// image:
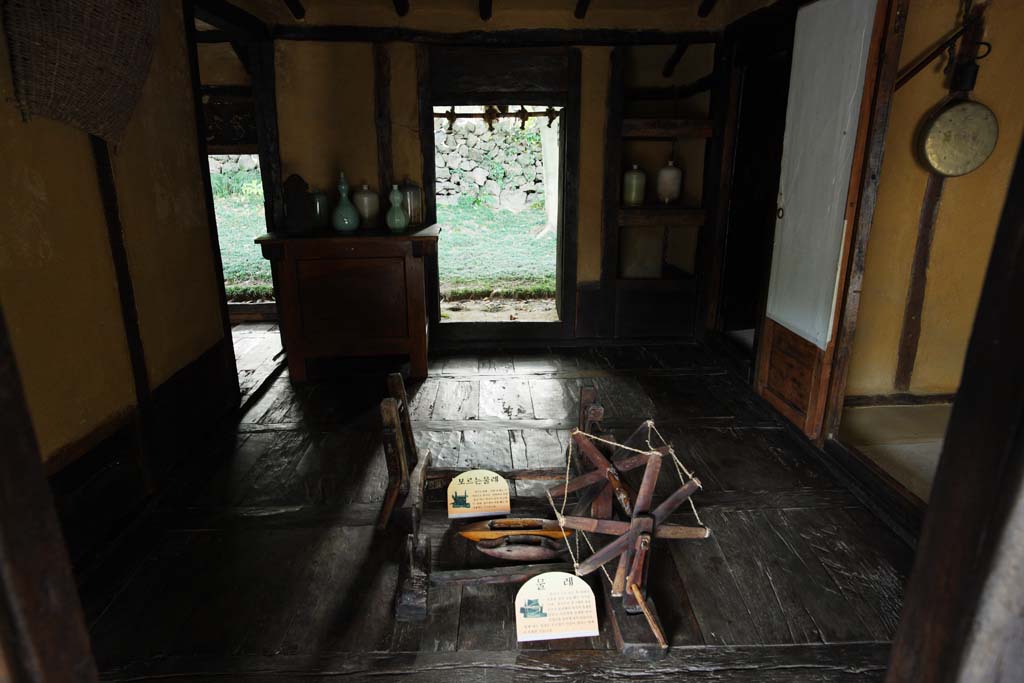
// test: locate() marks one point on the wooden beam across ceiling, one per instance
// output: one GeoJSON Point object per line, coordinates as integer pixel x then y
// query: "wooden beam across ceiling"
{"type": "Point", "coordinates": [542, 37]}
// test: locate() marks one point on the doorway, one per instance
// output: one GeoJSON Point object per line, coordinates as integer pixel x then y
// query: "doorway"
{"type": "Point", "coordinates": [762, 68]}
{"type": "Point", "coordinates": [506, 127]}
{"type": "Point", "coordinates": [238, 201]}
{"type": "Point", "coordinates": [497, 196]}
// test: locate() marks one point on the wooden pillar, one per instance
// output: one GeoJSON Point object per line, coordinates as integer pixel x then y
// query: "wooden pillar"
{"type": "Point", "coordinates": [41, 625]}
{"type": "Point", "coordinates": [382, 118]}
{"type": "Point", "coordinates": [961, 615]}
{"type": "Point", "coordinates": [264, 93]}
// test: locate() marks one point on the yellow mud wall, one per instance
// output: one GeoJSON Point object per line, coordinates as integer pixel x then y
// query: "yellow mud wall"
{"type": "Point", "coordinates": [968, 213]}
{"type": "Point", "coordinates": [57, 282]}
{"type": "Point", "coordinates": [325, 111]}
{"type": "Point", "coordinates": [163, 211]}
{"type": "Point", "coordinates": [407, 156]}
{"type": "Point", "coordinates": [219, 65]}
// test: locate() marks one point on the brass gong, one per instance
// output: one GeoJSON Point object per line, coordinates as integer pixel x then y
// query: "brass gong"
{"type": "Point", "coordinates": [959, 137]}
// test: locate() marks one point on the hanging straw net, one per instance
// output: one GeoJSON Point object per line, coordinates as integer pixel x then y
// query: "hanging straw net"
{"type": "Point", "coordinates": [83, 62]}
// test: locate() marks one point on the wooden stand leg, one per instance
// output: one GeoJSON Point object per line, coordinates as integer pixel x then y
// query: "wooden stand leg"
{"type": "Point", "coordinates": [418, 362]}
{"type": "Point", "coordinates": [395, 457]}
{"type": "Point", "coordinates": [410, 512]}
{"type": "Point", "coordinates": [632, 632]}
{"type": "Point", "coordinates": [296, 367]}
{"type": "Point", "coordinates": [413, 580]}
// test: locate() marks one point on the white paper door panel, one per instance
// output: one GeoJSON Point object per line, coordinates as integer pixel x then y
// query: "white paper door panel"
{"type": "Point", "coordinates": [829, 58]}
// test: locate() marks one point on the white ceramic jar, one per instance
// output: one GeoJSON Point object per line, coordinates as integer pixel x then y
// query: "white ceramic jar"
{"type": "Point", "coordinates": [670, 183]}
{"type": "Point", "coordinates": [633, 187]}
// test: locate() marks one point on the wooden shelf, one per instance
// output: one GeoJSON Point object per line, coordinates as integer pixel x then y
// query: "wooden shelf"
{"type": "Point", "coordinates": [660, 216]}
{"type": "Point", "coordinates": [666, 128]}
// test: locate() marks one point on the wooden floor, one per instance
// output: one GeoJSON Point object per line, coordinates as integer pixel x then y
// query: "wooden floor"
{"type": "Point", "coordinates": [261, 562]}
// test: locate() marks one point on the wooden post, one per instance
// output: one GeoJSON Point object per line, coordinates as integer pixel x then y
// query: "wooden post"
{"type": "Point", "coordinates": [961, 613]}
{"type": "Point", "coordinates": [41, 624]}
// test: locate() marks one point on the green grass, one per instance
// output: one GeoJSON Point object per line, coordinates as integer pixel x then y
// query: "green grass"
{"type": "Point", "coordinates": [484, 249]}
{"type": "Point", "coordinates": [238, 200]}
{"type": "Point", "coordinates": [481, 249]}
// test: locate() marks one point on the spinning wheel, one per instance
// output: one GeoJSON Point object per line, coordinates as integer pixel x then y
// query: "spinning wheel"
{"type": "Point", "coordinates": [632, 546]}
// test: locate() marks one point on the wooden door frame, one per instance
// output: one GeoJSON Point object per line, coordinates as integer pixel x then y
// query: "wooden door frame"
{"type": "Point", "coordinates": [564, 329]}
{"type": "Point", "coordinates": [830, 366]}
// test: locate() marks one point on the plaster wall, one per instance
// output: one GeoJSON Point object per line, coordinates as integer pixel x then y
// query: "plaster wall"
{"type": "Point", "coordinates": [325, 112]}
{"type": "Point", "coordinates": [57, 281]}
{"type": "Point", "coordinates": [968, 214]}
{"type": "Point", "coordinates": [219, 65]}
{"type": "Point", "coordinates": [406, 157]}
{"type": "Point", "coordinates": [163, 211]}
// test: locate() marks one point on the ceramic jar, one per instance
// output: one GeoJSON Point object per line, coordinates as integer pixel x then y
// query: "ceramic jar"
{"type": "Point", "coordinates": [345, 218]}
{"type": "Point", "coordinates": [412, 201]}
{"type": "Point", "coordinates": [320, 213]}
{"type": "Point", "coordinates": [368, 205]}
{"type": "Point", "coordinates": [633, 187]}
{"type": "Point", "coordinates": [396, 217]}
{"type": "Point", "coordinates": [670, 182]}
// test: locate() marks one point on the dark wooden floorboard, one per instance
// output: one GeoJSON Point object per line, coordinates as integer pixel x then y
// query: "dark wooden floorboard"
{"type": "Point", "coordinates": [261, 561]}
{"type": "Point", "coordinates": [761, 664]}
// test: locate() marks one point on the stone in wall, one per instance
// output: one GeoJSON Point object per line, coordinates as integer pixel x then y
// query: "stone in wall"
{"type": "Point", "coordinates": [503, 166]}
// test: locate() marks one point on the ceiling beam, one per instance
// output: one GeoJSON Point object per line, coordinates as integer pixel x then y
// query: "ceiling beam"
{"type": "Point", "coordinates": [401, 7]}
{"type": "Point", "coordinates": [296, 8]}
{"type": "Point", "coordinates": [486, 9]}
{"type": "Point", "coordinates": [673, 60]}
{"type": "Point", "coordinates": [232, 20]}
{"type": "Point", "coordinates": [581, 9]}
{"type": "Point", "coordinates": [497, 38]}
{"type": "Point", "coordinates": [706, 6]}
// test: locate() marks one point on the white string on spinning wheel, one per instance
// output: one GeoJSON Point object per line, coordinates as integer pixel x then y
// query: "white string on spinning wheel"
{"type": "Point", "coordinates": [560, 512]}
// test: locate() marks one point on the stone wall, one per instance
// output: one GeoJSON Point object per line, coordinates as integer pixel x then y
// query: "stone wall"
{"type": "Point", "coordinates": [503, 167]}
{"type": "Point", "coordinates": [231, 163]}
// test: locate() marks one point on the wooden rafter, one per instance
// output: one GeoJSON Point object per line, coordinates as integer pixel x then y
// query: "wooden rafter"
{"type": "Point", "coordinates": [242, 52]}
{"type": "Point", "coordinates": [234, 21]}
{"type": "Point", "coordinates": [673, 61]}
{"type": "Point", "coordinates": [296, 8]}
